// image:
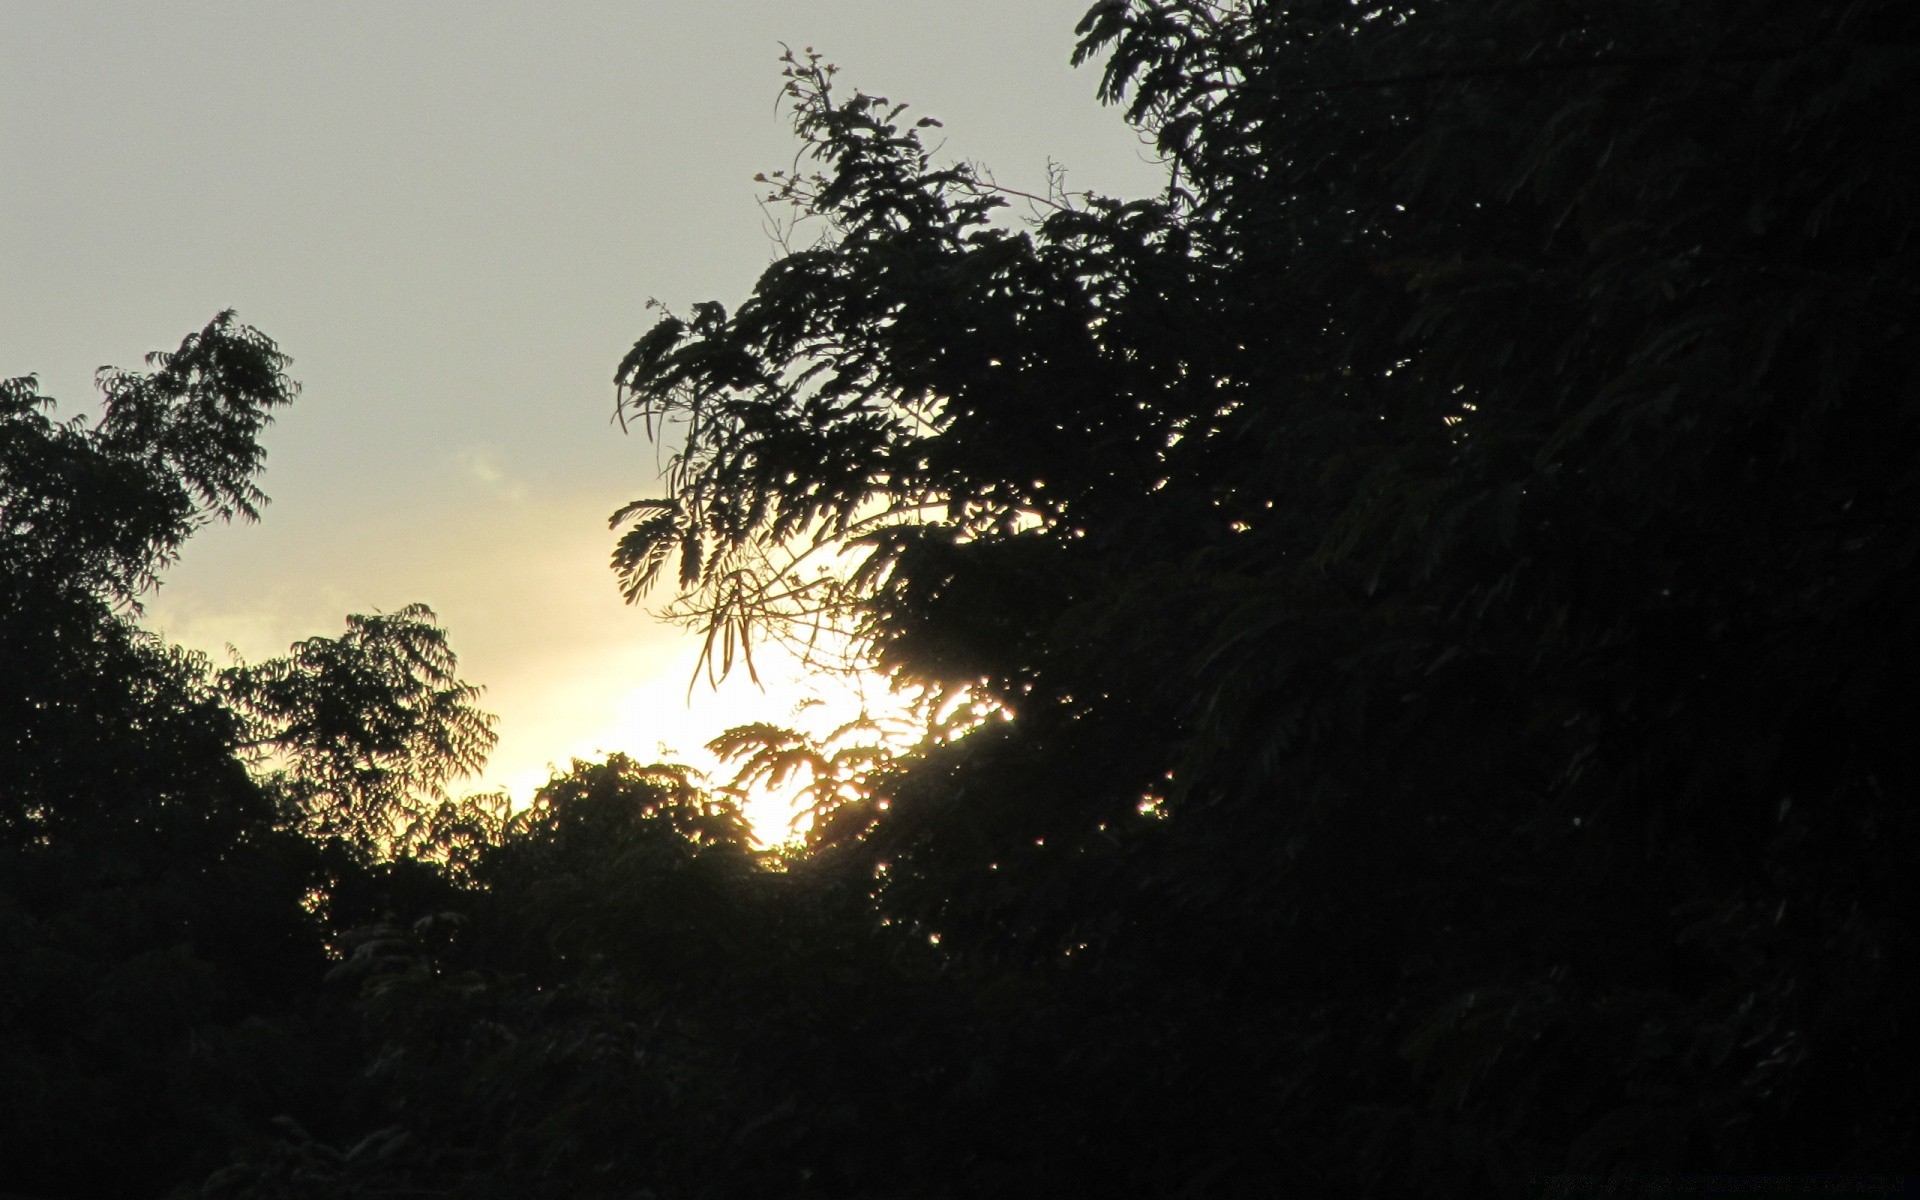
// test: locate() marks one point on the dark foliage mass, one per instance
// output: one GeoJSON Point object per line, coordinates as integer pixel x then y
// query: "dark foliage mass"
{"type": "Point", "coordinates": [1447, 560]}
{"type": "Point", "coordinates": [1471, 513]}
{"type": "Point", "coordinates": [162, 905]}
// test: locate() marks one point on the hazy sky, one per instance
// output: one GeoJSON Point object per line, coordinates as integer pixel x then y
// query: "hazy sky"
{"type": "Point", "coordinates": [452, 216]}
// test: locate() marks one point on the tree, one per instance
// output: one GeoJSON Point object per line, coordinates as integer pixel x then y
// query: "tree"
{"type": "Point", "coordinates": [147, 907]}
{"type": "Point", "coordinates": [163, 923]}
{"type": "Point", "coordinates": [360, 733]}
{"type": "Point", "coordinates": [619, 998]}
{"type": "Point", "coordinates": [1446, 558]}
{"type": "Point", "coordinates": [101, 508]}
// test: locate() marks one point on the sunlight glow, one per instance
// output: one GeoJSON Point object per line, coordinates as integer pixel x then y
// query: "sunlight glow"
{"type": "Point", "coordinates": [662, 719]}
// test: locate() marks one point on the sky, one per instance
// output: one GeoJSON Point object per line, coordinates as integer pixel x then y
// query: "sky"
{"type": "Point", "coordinates": [452, 216]}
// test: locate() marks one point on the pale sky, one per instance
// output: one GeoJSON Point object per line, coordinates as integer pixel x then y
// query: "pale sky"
{"type": "Point", "coordinates": [452, 216]}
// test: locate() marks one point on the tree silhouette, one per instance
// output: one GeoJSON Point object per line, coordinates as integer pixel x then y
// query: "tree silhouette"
{"type": "Point", "coordinates": [1447, 558]}
{"type": "Point", "coordinates": [147, 904]}
{"type": "Point", "coordinates": [359, 733]}
{"type": "Point", "coordinates": [163, 915]}
{"type": "Point", "coordinates": [1410, 624]}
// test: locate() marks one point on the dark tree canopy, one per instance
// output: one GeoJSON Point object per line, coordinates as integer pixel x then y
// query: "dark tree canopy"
{"type": "Point", "coordinates": [162, 905]}
{"type": "Point", "coordinates": [97, 712]}
{"type": "Point", "coordinates": [1448, 558]}
{"type": "Point", "coordinates": [133, 939]}
{"type": "Point", "coordinates": [1410, 622]}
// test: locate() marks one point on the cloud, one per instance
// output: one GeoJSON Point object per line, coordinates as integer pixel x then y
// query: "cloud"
{"type": "Point", "coordinates": [481, 464]}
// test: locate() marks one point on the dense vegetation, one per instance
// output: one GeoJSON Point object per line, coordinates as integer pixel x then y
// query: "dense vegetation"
{"type": "Point", "coordinates": [1447, 561]}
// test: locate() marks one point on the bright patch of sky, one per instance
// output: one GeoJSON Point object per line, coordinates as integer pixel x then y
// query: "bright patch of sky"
{"type": "Point", "coordinates": [453, 215]}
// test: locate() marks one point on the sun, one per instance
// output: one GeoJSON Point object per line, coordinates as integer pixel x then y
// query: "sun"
{"type": "Point", "coordinates": [672, 714]}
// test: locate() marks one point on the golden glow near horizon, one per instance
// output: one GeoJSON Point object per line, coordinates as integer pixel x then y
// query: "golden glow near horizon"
{"type": "Point", "coordinates": [571, 670]}
{"type": "Point", "coordinates": [661, 719]}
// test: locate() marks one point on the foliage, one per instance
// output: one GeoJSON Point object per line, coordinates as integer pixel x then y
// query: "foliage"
{"type": "Point", "coordinates": [829, 777]}
{"type": "Point", "coordinates": [149, 908]}
{"type": "Point", "coordinates": [162, 915]}
{"type": "Point", "coordinates": [620, 990]}
{"type": "Point", "coordinates": [364, 730]}
{"type": "Point", "coordinates": [1446, 558]}
{"type": "Point", "coordinates": [102, 507]}
{"type": "Point", "coordinates": [1408, 620]}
